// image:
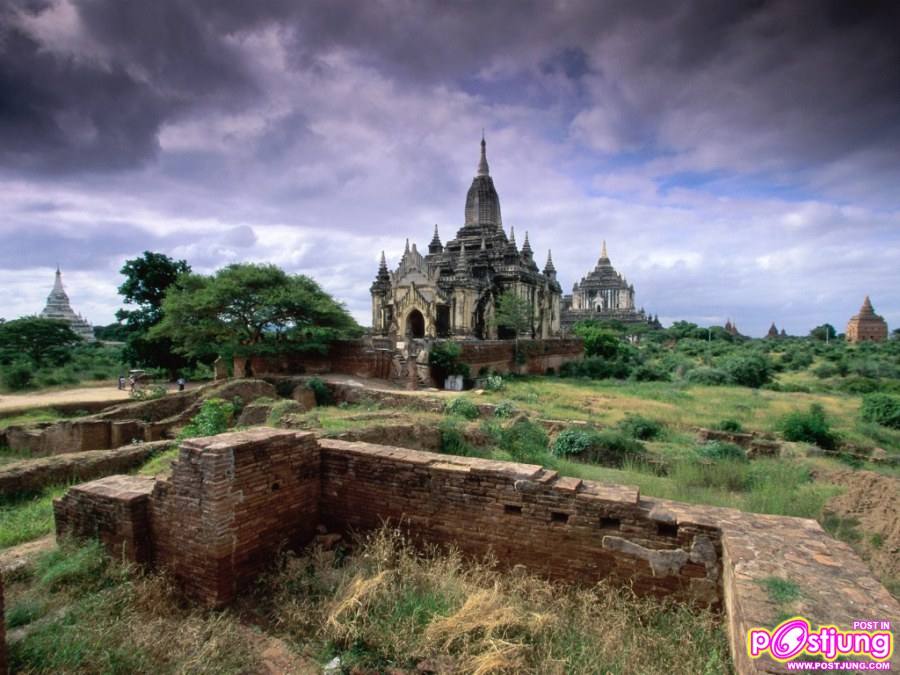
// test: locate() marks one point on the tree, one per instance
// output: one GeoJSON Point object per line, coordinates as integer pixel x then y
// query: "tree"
{"type": "Point", "coordinates": [248, 310]}
{"type": "Point", "coordinates": [514, 313]}
{"type": "Point", "coordinates": [823, 333]}
{"type": "Point", "coordinates": [42, 341]}
{"type": "Point", "coordinates": [147, 279]}
{"type": "Point", "coordinates": [598, 341]}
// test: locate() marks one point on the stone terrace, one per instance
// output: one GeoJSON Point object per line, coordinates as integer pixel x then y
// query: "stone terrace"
{"type": "Point", "coordinates": [233, 500]}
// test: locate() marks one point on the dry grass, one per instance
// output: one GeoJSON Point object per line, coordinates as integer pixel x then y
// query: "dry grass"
{"type": "Point", "coordinates": [392, 605]}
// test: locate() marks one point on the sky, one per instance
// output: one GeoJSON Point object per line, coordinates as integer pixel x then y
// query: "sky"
{"type": "Point", "coordinates": [741, 159]}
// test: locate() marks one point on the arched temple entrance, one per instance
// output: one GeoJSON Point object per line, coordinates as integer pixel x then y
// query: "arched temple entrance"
{"type": "Point", "coordinates": [415, 324]}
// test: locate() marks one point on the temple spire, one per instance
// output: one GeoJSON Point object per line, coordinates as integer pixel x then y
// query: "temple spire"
{"type": "Point", "coordinates": [483, 169]}
{"type": "Point", "coordinates": [435, 246]}
{"type": "Point", "coordinates": [526, 247]}
{"type": "Point", "coordinates": [603, 251]}
{"type": "Point", "coordinates": [549, 268]}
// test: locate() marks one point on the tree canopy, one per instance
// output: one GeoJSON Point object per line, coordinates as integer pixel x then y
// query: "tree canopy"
{"type": "Point", "coordinates": [514, 313]}
{"type": "Point", "coordinates": [41, 341]}
{"type": "Point", "coordinates": [147, 279]}
{"type": "Point", "coordinates": [247, 309]}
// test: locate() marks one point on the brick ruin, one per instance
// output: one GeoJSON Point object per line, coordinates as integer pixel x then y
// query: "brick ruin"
{"type": "Point", "coordinates": [233, 501]}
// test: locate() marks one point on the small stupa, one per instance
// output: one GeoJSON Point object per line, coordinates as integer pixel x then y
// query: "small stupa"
{"type": "Point", "coordinates": [58, 308]}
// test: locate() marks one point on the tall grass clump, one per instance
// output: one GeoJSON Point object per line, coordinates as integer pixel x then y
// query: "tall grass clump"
{"type": "Point", "coordinates": [391, 605]}
{"type": "Point", "coordinates": [462, 407]}
{"type": "Point", "coordinates": [525, 441]}
{"type": "Point", "coordinates": [27, 517]}
{"type": "Point", "coordinates": [609, 448]}
{"type": "Point", "coordinates": [640, 427]}
{"type": "Point", "coordinates": [214, 418]}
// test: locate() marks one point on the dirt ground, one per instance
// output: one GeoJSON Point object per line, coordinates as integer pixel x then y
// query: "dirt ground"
{"type": "Point", "coordinates": [874, 501]}
{"type": "Point", "coordinates": [47, 399]}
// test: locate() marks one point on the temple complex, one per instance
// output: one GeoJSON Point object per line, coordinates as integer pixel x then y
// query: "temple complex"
{"type": "Point", "coordinates": [453, 289]}
{"type": "Point", "coordinates": [603, 294]}
{"type": "Point", "coordinates": [58, 308]}
{"type": "Point", "coordinates": [866, 326]}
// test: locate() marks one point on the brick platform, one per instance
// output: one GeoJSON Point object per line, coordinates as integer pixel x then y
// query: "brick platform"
{"type": "Point", "coordinates": [234, 499]}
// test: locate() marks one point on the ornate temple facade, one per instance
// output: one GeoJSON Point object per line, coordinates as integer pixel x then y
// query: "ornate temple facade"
{"type": "Point", "coordinates": [603, 294]}
{"type": "Point", "coordinates": [866, 326]}
{"type": "Point", "coordinates": [58, 308]}
{"type": "Point", "coordinates": [453, 289]}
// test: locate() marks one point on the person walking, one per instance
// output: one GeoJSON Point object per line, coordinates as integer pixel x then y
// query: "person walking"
{"type": "Point", "coordinates": [180, 384]}
{"type": "Point", "coordinates": [121, 383]}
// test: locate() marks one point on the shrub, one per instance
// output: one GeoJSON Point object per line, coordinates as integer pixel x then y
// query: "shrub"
{"type": "Point", "coordinates": [719, 450]}
{"type": "Point", "coordinates": [505, 409]}
{"type": "Point", "coordinates": [494, 383]}
{"type": "Point", "coordinates": [525, 441]}
{"type": "Point", "coordinates": [649, 373]}
{"type": "Point", "coordinates": [882, 409]}
{"type": "Point", "coordinates": [749, 371]}
{"type": "Point", "coordinates": [444, 360]}
{"type": "Point", "coordinates": [597, 368]}
{"type": "Point", "coordinates": [725, 474]}
{"type": "Point", "coordinates": [214, 417]}
{"type": "Point", "coordinates": [462, 407]}
{"type": "Point", "coordinates": [729, 425]}
{"type": "Point", "coordinates": [641, 428]}
{"type": "Point", "coordinates": [708, 376]}
{"type": "Point", "coordinates": [610, 448]}
{"type": "Point", "coordinates": [321, 391]}
{"type": "Point", "coordinates": [572, 441]}
{"type": "Point", "coordinates": [825, 370]}
{"type": "Point", "coordinates": [810, 426]}
{"type": "Point", "coordinates": [453, 440]}
{"type": "Point", "coordinates": [859, 385]}
{"type": "Point", "coordinates": [17, 376]}
{"type": "Point", "coordinates": [150, 393]}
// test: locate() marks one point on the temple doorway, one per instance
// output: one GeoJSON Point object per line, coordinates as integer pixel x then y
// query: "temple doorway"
{"type": "Point", "coordinates": [415, 324]}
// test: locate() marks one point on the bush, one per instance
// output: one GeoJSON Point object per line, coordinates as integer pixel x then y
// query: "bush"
{"type": "Point", "coordinates": [525, 441]}
{"type": "Point", "coordinates": [494, 383]}
{"type": "Point", "coordinates": [859, 385]}
{"type": "Point", "coordinates": [17, 376]}
{"type": "Point", "coordinates": [610, 448]}
{"type": "Point", "coordinates": [214, 418]}
{"type": "Point", "coordinates": [444, 360]}
{"type": "Point", "coordinates": [809, 427]}
{"type": "Point", "coordinates": [453, 440]}
{"type": "Point", "coordinates": [719, 450]}
{"type": "Point", "coordinates": [825, 370]}
{"type": "Point", "coordinates": [321, 391]}
{"type": "Point", "coordinates": [505, 409]}
{"type": "Point", "coordinates": [649, 373]}
{"type": "Point", "coordinates": [462, 407]}
{"type": "Point", "coordinates": [748, 371]}
{"type": "Point", "coordinates": [597, 368]}
{"type": "Point", "coordinates": [641, 428]}
{"type": "Point", "coordinates": [708, 376]}
{"type": "Point", "coordinates": [572, 441]}
{"type": "Point", "coordinates": [729, 425]}
{"type": "Point", "coordinates": [150, 393]}
{"type": "Point", "coordinates": [882, 409]}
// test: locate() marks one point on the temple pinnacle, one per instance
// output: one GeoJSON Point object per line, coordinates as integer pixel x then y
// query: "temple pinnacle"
{"type": "Point", "coordinates": [483, 169]}
{"type": "Point", "coordinates": [603, 251]}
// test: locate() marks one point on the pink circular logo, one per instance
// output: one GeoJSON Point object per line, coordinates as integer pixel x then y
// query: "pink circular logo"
{"type": "Point", "coordinates": [789, 639]}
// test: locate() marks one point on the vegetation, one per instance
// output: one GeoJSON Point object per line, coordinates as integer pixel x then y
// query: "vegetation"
{"type": "Point", "coordinates": [882, 409]}
{"type": "Point", "coordinates": [444, 360]}
{"type": "Point", "coordinates": [27, 517]}
{"type": "Point", "coordinates": [463, 407]}
{"type": "Point", "coordinates": [389, 606]}
{"type": "Point", "coordinates": [809, 427]}
{"type": "Point", "coordinates": [36, 341]}
{"type": "Point", "coordinates": [248, 310]}
{"type": "Point", "coordinates": [215, 416]}
{"type": "Point", "coordinates": [320, 391]}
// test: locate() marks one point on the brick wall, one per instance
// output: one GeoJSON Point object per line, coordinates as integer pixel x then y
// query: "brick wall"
{"type": "Point", "coordinates": [559, 527]}
{"type": "Point", "coordinates": [232, 501]}
{"type": "Point", "coordinates": [114, 509]}
{"type": "Point", "coordinates": [360, 358]}
{"type": "Point", "coordinates": [3, 666]}
{"type": "Point", "coordinates": [540, 355]}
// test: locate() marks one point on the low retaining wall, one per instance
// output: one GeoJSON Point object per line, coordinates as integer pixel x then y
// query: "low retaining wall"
{"type": "Point", "coordinates": [233, 500]}
{"type": "Point", "coordinates": [33, 475]}
{"type": "Point", "coordinates": [537, 356]}
{"type": "Point", "coordinates": [754, 444]}
{"type": "Point", "coordinates": [145, 421]}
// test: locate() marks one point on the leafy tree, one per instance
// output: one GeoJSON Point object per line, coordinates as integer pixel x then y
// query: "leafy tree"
{"type": "Point", "coordinates": [247, 310]}
{"type": "Point", "coordinates": [514, 313]}
{"type": "Point", "coordinates": [824, 332]}
{"type": "Point", "coordinates": [752, 370]}
{"type": "Point", "coordinates": [42, 341]}
{"type": "Point", "coordinates": [114, 332]}
{"type": "Point", "coordinates": [598, 341]}
{"type": "Point", "coordinates": [147, 279]}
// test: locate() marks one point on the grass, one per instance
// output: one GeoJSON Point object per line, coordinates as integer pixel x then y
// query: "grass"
{"type": "Point", "coordinates": [27, 518]}
{"type": "Point", "coordinates": [159, 464]}
{"type": "Point", "coordinates": [89, 614]}
{"type": "Point", "coordinates": [780, 591]}
{"type": "Point", "coordinates": [8, 456]}
{"type": "Point", "coordinates": [390, 605]}
{"type": "Point", "coordinates": [31, 417]}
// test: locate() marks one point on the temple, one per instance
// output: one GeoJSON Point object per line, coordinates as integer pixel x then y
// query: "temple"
{"type": "Point", "coordinates": [603, 294]}
{"type": "Point", "coordinates": [58, 308]}
{"type": "Point", "coordinates": [866, 326]}
{"type": "Point", "coordinates": [452, 291]}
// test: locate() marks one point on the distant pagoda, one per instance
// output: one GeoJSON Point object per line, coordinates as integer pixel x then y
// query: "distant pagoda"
{"type": "Point", "coordinates": [58, 308]}
{"type": "Point", "coordinates": [603, 294]}
{"type": "Point", "coordinates": [867, 326]}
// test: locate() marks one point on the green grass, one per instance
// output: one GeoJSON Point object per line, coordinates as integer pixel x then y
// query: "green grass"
{"type": "Point", "coordinates": [780, 591]}
{"type": "Point", "coordinates": [31, 417]}
{"type": "Point", "coordinates": [26, 518]}
{"type": "Point", "coordinates": [8, 456]}
{"type": "Point", "coordinates": [158, 464]}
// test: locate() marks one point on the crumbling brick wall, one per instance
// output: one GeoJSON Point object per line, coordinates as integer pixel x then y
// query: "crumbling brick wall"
{"type": "Point", "coordinates": [561, 527]}
{"type": "Point", "coordinates": [232, 501]}
{"type": "Point", "coordinates": [537, 356]}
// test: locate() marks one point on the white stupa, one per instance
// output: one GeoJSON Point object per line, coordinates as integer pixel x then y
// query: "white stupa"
{"type": "Point", "coordinates": [58, 308]}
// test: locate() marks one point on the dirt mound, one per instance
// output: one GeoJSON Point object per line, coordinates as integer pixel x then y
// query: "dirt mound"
{"type": "Point", "coordinates": [872, 500]}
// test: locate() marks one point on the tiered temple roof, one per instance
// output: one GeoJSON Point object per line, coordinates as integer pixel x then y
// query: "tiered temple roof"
{"type": "Point", "coordinates": [58, 308]}
{"type": "Point", "coordinates": [867, 326]}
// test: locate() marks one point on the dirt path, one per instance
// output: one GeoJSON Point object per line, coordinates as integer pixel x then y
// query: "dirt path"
{"type": "Point", "coordinates": [47, 399]}
{"type": "Point", "coordinates": [16, 557]}
{"type": "Point", "coordinates": [872, 500]}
